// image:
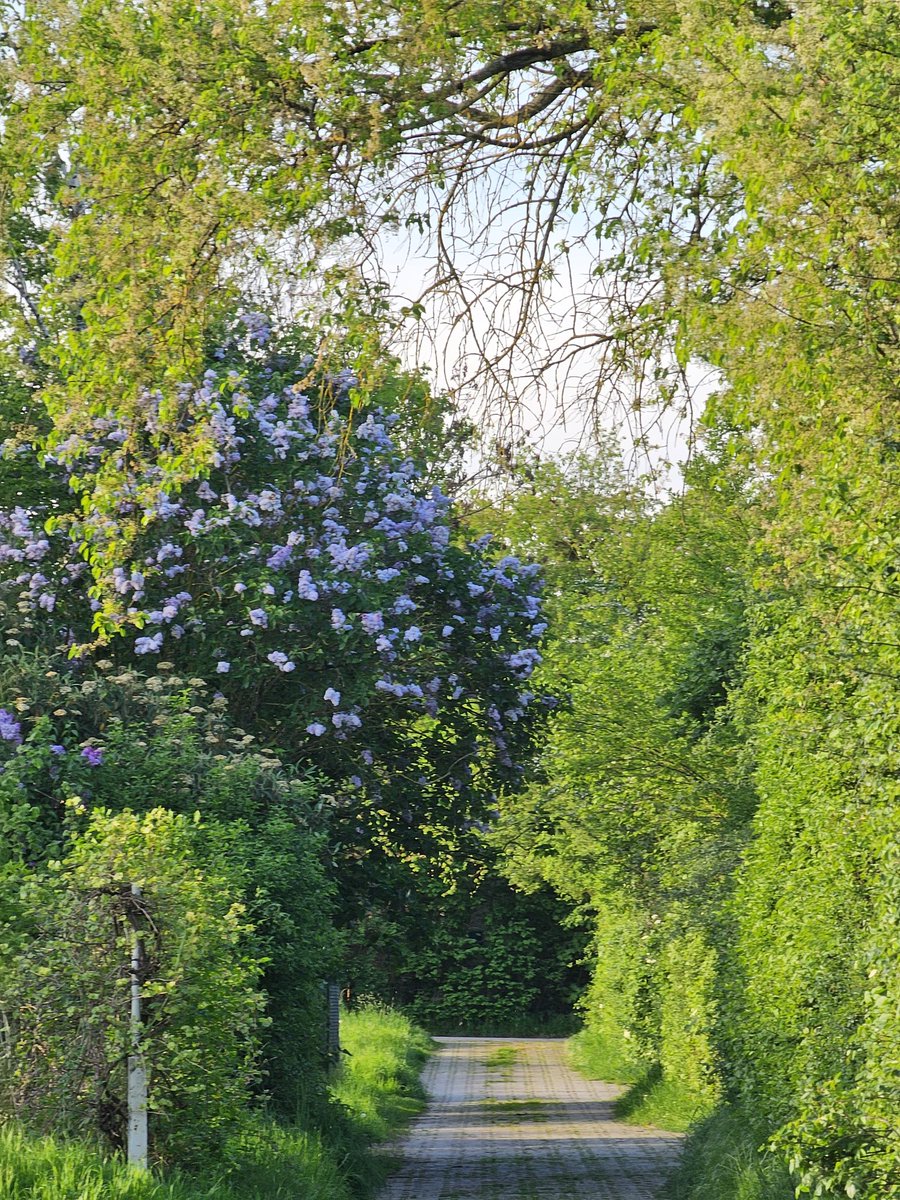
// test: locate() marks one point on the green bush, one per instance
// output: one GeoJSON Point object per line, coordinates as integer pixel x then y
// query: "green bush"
{"type": "Point", "coordinates": [620, 1004]}
{"type": "Point", "coordinates": [161, 738]}
{"type": "Point", "coordinates": [65, 986]}
{"type": "Point", "coordinates": [465, 952]}
{"type": "Point", "coordinates": [688, 1012]}
{"type": "Point", "coordinates": [375, 1092]}
{"type": "Point", "coordinates": [651, 1020]}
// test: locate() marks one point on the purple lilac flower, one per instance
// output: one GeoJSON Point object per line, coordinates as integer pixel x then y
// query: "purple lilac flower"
{"type": "Point", "coordinates": [333, 696]}
{"type": "Point", "coordinates": [10, 729]}
{"type": "Point", "coordinates": [372, 622]}
{"type": "Point", "coordinates": [339, 619]}
{"type": "Point", "coordinates": [222, 667]}
{"type": "Point", "coordinates": [279, 659]}
{"type": "Point", "coordinates": [257, 326]}
{"type": "Point", "coordinates": [316, 729]}
{"type": "Point", "coordinates": [279, 557]}
{"type": "Point", "coordinates": [58, 750]}
{"type": "Point", "coordinates": [340, 719]}
{"type": "Point", "coordinates": [259, 616]}
{"type": "Point", "coordinates": [148, 645]}
{"type": "Point", "coordinates": [92, 755]}
{"type": "Point", "coordinates": [306, 589]}
{"type": "Point", "coordinates": [413, 634]}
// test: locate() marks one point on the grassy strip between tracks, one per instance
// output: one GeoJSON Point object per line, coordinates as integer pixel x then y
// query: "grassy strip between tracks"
{"type": "Point", "coordinates": [375, 1093]}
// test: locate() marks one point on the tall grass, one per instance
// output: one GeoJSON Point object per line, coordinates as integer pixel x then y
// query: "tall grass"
{"type": "Point", "coordinates": [378, 1081]}
{"type": "Point", "coordinates": [651, 1099]}
{"type": "Point", "coordinates": [264, 1163]}
{"type": "Point", "coordinates": [601, 1057]}
{"type": "Point", "coordinates": [375, 1092]}
{"type": "Point", "coordinates": [43, 1169]}
{"type": "Point", "coordinates": [722, 1160]}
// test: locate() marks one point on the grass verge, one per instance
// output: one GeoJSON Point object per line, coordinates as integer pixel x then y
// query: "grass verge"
{"type": "Point", "coordinates": [722, 1161]}
{"type": "Point", "coordinates": [376, 1092]}
{"type": "Point", "coordinates": [378, 1081]}
{"type": "Point", "coordinates": [650, 1098]}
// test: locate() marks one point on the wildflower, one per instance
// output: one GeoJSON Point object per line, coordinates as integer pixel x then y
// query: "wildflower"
{"type": "Point", "coordinates": [92, 755]}
{"type": "Point", "coordinates": [316, 729]}
{"type": "Point", "coordinates": [222, 667]}
{"type": "Point", "coordinates": [333, 695]}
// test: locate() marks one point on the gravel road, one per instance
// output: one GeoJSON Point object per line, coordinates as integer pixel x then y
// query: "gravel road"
{"type": "Point", "coordinates": [507, 1119]}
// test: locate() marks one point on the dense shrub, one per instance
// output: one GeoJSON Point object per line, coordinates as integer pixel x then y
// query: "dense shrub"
{"type": "Point", "coordinates": [312, 575]}
{"type": "Point", "coordinates": [120, 741]}
{"type": "Point", "coordinates": [65, 975]}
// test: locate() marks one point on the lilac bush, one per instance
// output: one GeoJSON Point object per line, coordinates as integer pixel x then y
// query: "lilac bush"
{"type": "Point", "coordinates": [313, 575]}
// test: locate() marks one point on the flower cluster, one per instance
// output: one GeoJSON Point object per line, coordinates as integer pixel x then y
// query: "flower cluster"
{"type": "Point", "coordinates": [313, 573]}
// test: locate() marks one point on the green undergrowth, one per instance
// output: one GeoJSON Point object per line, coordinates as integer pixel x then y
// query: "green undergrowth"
{"type": "Point", "coordinates": [375, 1092]}
{"type": "Point", "coordinates": [600, 1057]}
{"type": "Point", "coordinates": [378, 1082]}
{"type": "Point", "coordinates": [265, 1163]}
{"type": "Point", "coordinates": [550, 1025]}
{"type": "Point", "coordinates": [650, 1099]}
{"type": "Point", "coordinates": [722, 1160]}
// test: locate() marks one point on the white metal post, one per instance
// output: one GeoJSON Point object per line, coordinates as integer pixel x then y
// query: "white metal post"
{"type": "Point", "coordinates": [137, 1071]}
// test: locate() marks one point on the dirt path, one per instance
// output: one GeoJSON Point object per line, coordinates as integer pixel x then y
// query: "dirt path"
{"type": "Point", "coordinates": [508, 1120]}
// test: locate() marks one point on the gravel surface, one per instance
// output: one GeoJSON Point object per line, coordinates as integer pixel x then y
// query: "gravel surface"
{"type": "Point", "coordinates": [507, 1119]}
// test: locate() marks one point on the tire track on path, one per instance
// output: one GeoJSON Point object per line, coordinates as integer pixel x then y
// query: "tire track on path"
{"type": "Point", "coordinates": [508, 1119]}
